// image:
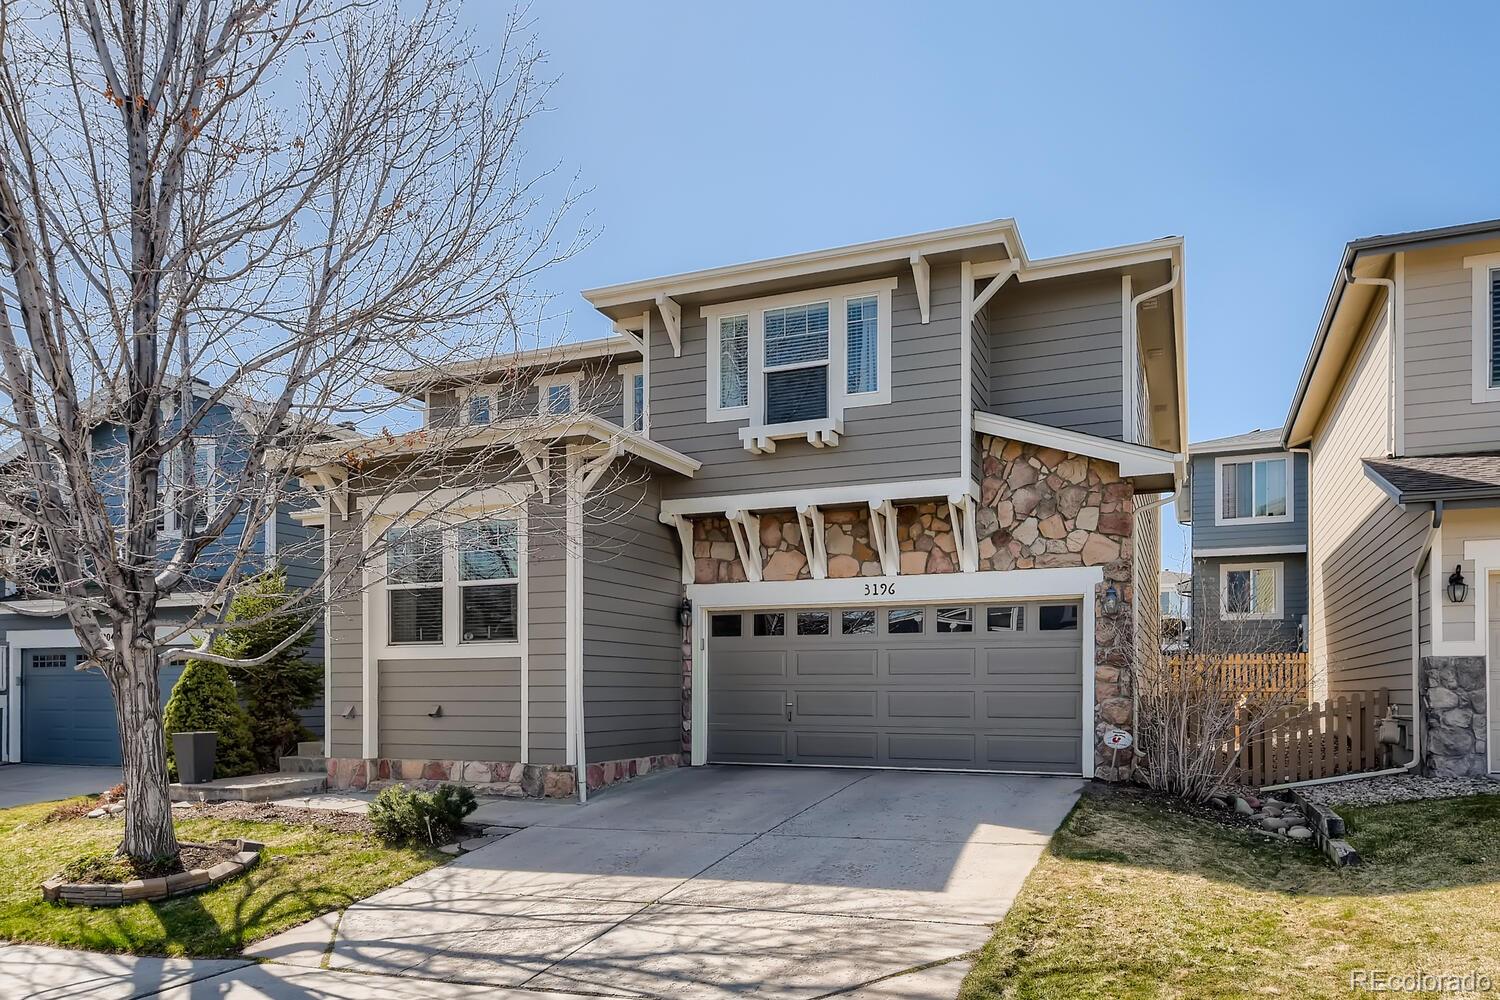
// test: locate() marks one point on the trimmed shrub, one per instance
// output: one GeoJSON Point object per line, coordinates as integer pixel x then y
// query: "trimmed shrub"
{"type": "Point", "coordinates": [402, 815]}
{"type": "Point", "coordinates": [204, 699]}
{"type": "Point", "coordinates": [276, 691]}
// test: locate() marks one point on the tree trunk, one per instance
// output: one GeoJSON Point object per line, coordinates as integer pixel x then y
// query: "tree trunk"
{"type": "Point", "coordinates": [143, 754]}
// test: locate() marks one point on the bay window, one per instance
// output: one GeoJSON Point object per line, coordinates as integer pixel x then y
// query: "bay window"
{"type": "Point", "coordinates": [790, 365]}
{"type": "Point", "coordinates": [1254, 488]}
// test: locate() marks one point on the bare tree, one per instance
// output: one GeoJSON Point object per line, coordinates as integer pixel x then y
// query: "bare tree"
{"type": "Point", "coordinates": [269, 206]}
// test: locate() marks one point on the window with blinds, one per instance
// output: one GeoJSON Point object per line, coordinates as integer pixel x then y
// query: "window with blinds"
{"type": "Point", "coordinates": [1495, 328]}
{"type": "Point", "coordinates": [863, 337]}
{"type": "Point", "coordinates": [1253, 489]}
{"type": "Point", "coordinates": [488, 580]}
{"type": "Point", "coordinates": [473, 570]}
{"type": "Point", "coordinates": [1250, 592]}
{"type": "Point", "coordinates": [414, 583]}
{"type": "Point", "coordinates": [734, 361]}
{"type": "Point", "coordinates": [796, 363]}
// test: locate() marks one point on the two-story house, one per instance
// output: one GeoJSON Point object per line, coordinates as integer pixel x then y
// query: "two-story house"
{"type": "Point", "coordinates": [1249, 548]}
{"type": "Point", "coordinates": [888, 504]}
{"type": "Point", "coordinates": [1399, 406]}
{"type": "Point", "coordinates": [51, 712]}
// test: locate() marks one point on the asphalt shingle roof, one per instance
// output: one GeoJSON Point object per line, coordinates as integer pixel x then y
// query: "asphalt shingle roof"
{"type": "Point", "coordinates": [1439, 477]}
{"type": "Point", "coordinates": [1269, 438]}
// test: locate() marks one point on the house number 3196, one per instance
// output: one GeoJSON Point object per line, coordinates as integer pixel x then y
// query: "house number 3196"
{"type": "Point", "coordinates": [879, 589]}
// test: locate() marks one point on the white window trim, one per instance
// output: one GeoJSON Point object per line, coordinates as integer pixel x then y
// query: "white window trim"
{"type": "Point", "coordinates": [1277, 608]}
{"type": "Point", "coordinates": [467, 394]}
{"type": "Point", "coordinates": [208, 496]}
{"type": "Point", "coordinates": [443, 507]}
{"type": "Point", "coordinates": [1291, 488]}
{"type": "Point", "coordinates": [572, 379]}
{"type": "Point", "coordinates": [1480, 267]}
{"type": "Point", "coordinates": [839, 398]}
{"type": "Point", "coordinates": [628, 375]}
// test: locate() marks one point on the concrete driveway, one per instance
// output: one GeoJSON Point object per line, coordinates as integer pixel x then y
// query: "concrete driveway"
{"type": "Point", "coordinates": [718, 882]}
{"type": "Point", "coordinates": [23, 784]}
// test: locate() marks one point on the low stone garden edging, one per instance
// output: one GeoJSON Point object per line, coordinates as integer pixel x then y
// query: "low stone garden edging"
{"type": "Point", "coordinates": [1328, 831]}
{"type": "Point", "coordinates": [152, 889]}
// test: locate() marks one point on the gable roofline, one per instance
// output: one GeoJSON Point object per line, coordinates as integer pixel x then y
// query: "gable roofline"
{"type": "Point", "coordinates": [1321, 363]}
{"type": "Point", "coordinates": [1256, 440]}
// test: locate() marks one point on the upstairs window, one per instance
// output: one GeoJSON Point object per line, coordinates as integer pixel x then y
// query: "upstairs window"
{"type": "Point", "coordinates": [633, 393]}
{"type": "Point", "coordinates": [863, 332]}
{"type": "Point", "coordinates": [734, 362]}
{"type": "Point", "coordinates": [479, 409]}
{"type": "Point", "coordinates": [796, 363]}
{"type": "Point", "coordinates": [557, 395]}
{"type": "Point", "coordinates": [1484, 308]}
{"type": "Point", "coordinates": [176, 489]}
{"type": "Point", "coordinates": [1254, 489]}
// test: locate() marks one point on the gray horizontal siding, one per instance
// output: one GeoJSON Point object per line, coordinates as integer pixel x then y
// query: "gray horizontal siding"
{"type": "Point", "coordinates": [600, 389]}
{"type": "Point", "coordinates": [1279, 636]}
{"type": "Point", "coordinates": [632, 643]}
{"type": "Point", "coordinates": [916, 436]}
{"type": "Point", "coordinates": [1055, 354]}
{"type": "Point", "coordinates": [546, 626]}
{"type": "Point", "coordinates": [345, 643]}
{"type": "Point", "coordinates": [480, 702]}
{"type": "Point", "coordinates": [1208, 535]}
{"type": "Point", "coordinates": [1439, 413]}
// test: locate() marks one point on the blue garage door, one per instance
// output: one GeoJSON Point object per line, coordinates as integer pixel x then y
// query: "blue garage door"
{"type": "Point", "coordinates": [69, 714]}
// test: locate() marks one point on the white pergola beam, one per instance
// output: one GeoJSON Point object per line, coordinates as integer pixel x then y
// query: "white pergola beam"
{"type": "Point", "coordinates": [671, 315]}
{"type": "Point", "coordinates": [921, 275]}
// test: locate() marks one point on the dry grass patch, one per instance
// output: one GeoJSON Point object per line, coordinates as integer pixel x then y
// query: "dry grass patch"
{"type": "Point", "coordinates": [1134, 901]}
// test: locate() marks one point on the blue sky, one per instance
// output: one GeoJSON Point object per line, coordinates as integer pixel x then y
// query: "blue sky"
{"type": "Point", "coordinates": [1268, 136]}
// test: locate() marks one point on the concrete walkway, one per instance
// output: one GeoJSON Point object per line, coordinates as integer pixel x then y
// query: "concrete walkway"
{"type": "Point", "coordinates": [23, 784]}
{"type": "Point", "coordinates": [713, 883]}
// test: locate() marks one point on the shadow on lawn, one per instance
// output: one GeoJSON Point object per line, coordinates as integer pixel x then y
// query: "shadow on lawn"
{"type": "Point", "coordinates": [1406, 847]}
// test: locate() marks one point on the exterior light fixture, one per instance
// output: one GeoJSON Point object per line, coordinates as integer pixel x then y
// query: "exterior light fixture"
{"type": "Point", "coordinates": [1111, 600]}
{"type": "Point", "coordinates": [685, 613]}
{"type": "Point", "coordinates": [1458, 590]}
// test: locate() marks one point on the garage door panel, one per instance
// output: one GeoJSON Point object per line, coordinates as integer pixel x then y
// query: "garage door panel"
{"type": "Point", "coordinates": [68, 715]}
{"type": "Point", "coordinates": [1005, 705]}
{"type": "Point", "coordinates": [835, 747]}
{"type": "Point", "coordinates": [991, 700]}
{"type": "Point", "coordinates": [813, 664]}
{"type": "Point", "coordinates": [932, 749]}
{"type": "Point", "coordinates": [746, 706]}
{"type": "Point", "coordinates": [930, 706]}
{"type": "Point", "coordinates": [932, 662]}
{"type": "Point", "coordinates": [843, 705]}
{"type": "Point", "coordinates": [1031, 661]}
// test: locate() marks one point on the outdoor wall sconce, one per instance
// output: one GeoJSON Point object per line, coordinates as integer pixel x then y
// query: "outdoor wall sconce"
{"type": "Point", "coordinates": [685, 613]}
{"type": "Point", "coordinates": [1111, 600]}
{"type": "Point", "coordinates": [1458, 590]}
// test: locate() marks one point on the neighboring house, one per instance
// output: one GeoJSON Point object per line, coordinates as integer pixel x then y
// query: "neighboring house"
{"type": "Point", "coordinates": [1399, 403]}
{"type": "Point", "coordinates": [1249, 516]}
{"type": "Point", "coordinates": [1175, 592]}
{"type": "Point", "coordinates": [52, 713]}
{"type": "Point", "coordinates": [883, 505]}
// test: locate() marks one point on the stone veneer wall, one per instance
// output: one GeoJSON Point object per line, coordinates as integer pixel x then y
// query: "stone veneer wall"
{"type": "Point", "coordinates": [487, 777]}
{"type": "Point", "coordinates": [1038, 508]}
{"type": "Point", "coordinates": [1454, 738]}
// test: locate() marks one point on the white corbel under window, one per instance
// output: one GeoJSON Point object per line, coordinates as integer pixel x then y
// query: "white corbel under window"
{"type": "Point", "coordinates": [789, 366]}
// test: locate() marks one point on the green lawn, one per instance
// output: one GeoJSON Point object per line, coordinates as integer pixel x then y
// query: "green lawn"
{"type": "Point", "coordinates": [1133, 902]}
{"type": "Point", "coordinates": [303, 872]}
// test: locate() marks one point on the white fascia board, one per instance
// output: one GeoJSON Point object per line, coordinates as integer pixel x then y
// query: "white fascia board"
{"type": "Point", "coordinates": [863, 493]}
{"type": "Point", "coordinates": [1168, 249]}
{"type": "Point", "coordinates": [1133, 459]}
{"type": "Point", "coordinates": [1249, 550]}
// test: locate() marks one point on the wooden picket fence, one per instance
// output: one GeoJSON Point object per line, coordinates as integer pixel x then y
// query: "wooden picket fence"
{"type": "Point", "coordinates": [1320, 740]}
{"type": "Point", "coordinates": [1252, 673]}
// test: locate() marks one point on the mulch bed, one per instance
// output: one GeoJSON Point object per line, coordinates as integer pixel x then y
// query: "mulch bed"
{"type": "Point", "coordinates": [265, 812]}
{"type": "Point", "coordinates": [114, 871]}
{"type": "Point", "coordinates": [1182, 807]}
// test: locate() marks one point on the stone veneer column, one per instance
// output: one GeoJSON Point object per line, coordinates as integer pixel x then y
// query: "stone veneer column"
{"type": "Point", "coordinates": [1455, 739]}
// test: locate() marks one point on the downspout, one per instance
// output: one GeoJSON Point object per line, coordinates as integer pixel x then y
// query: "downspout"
{"type": "Point", "coordinates": [1157, 504]}
{"type": "Point", "coordinates": [1132, 338]}
{"type": "Point", "coordinates": [1416, 635]}
{"type": "Point", "coordinates": [1308, 555]}
{"type": "Point", "coordinates": [1389, 284]}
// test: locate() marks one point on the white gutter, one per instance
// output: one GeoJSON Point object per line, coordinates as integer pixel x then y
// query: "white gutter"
{"type": "Point", "coordinates": [1133, 339]}
{"type": "Point", "coordinates": [1389, 284]}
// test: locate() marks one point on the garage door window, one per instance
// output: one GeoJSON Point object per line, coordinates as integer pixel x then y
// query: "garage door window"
{"type": "Point", "coordinates": [904, 621]}
{"type": "Point", "coordinates": [812, 623]}
{"type": "Point", "coordinates": [1006, 619]}
{"type": "Point", "coordinates": [770, 623]}
{"type": "Point", "coordinates": [1058, 617]}
{"type": "Point", "coordinates": [49, 661]}
{"type": "Point", "coordinates": [725, 626]}
{"type": "Point", "coordinates": [858, 623]}
{"type": "Point", "coordinates": [955, 619]}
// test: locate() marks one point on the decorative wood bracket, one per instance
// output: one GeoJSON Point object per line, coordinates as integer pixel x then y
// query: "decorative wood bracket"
{"type": "Point", "coordinates": [961, 512]}
{"type": "Point", "coordinates": [745, 527]}
{"type": "Point", "coordinates": [1007, 272]}
{"type": "Point", "coordinates": [814, 540]}
{"type": "Point", "coordinates": [685, 536]}
{"type": "Point", "coordinates": [671, 314]}
{"type": "Point", "coordinates": [595, 466]}
{"type": "Point", "coordinates": [883, 533]}
{"type": "Point", "coordinates": [921, 274]}
{"type": "Point", "coordinates": [638, 339]}
{"type": "Point", "coordinates": [331, 484]}
{"type": "Point", "coordinates": [538, 458]}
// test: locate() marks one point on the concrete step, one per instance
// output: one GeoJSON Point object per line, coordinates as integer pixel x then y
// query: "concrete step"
{"type": "Point", "coordinates": [303, 765]}
{"type": "Point", "coordinates": [310, 748]}
{"type": "Point", "coordinates": [251, 788]}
